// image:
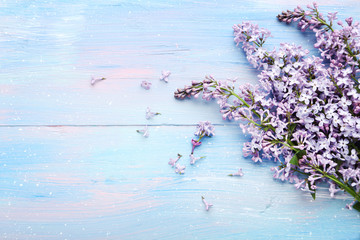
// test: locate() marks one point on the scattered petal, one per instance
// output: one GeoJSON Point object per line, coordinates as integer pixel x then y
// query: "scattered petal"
{"type": "Point", "coordinates": [194, 159]}
{"type": "Point", "coordinates": [165, 76]}
{"type": "Point", "coordinates": [146, 85]}
{"type": "Point", "coordinates": [150, 114]}
{"type": "Point", "coordinates": [172, 162]}
{"type": "Point", "coordinates": [180, 169]}
{"type": "Point", "coordinates": [238, 173]}
{"type": "Point", "coordinates": [144, 131]}
{"type": "Point", "coordinates": [96, 80]}
{"type": "Point", "coordinates": [207, 205]}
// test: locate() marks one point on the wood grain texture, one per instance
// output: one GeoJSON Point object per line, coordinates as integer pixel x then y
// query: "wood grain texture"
{"type": "Point", "coordinates": [99, 183]}
{"type": "Point", "coordinates": [50, 50]}
{"type": "Point", "coordinates": [73, 166]}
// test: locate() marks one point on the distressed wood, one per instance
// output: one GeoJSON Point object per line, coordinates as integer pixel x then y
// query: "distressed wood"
{"type": "Point", "coordinates": [72, 164]}
{"type": "Point", "coordinates": [51, 49]}
{"type": "Point", "coordinates": [110, 182]}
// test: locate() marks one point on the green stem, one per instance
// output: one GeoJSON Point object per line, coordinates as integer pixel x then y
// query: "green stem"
{"type": "Point", "coordinates": [201, 136]}
{"type": "Point", "coordinates": [342, 185]}
{"type": "Point", "coordinates": [257, 114]}
{"type": "Point", "coordinates": [259, 45]}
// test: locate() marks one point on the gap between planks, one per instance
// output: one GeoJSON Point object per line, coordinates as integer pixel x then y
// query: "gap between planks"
{"type": "Point", "coordinates": [107, 125]}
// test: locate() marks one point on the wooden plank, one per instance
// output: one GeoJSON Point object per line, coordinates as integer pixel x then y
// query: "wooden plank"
{"type": "Point", "coordinates": [111, 183]}
{"type": "Point", "coordinates": [50, 50]}
{"type": "Point", "coordinates": [99, 179]}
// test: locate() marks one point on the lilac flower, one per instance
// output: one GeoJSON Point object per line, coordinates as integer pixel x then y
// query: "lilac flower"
{"type": "Point", "coordinates": [354, 156]}
{"type": "Point", "coordinates": [321, 119]}
{"type": "Point", "coordinates": [205, 129]}
{"type": "Point", "coordinates": [146, 85]}
{"type": "Point", "coordinates": [165, 76]}
{"type": "Point", "coordinates": [150, 114]}
{"type": "Point", "coordinates": [144, 131]}
{"type": "Point", "coordinates": [304, 113]}
{"type": "Point", "coordinates": [332, 16]}
{"type": "Point", "coordinates": [172, 162]}
{"type": "Point", "coordinates": [333, 189]}
{"type": "Point", "coordinates": [179, 169]}
{"type": "Point", "coordinates": [299, 183]}
{"type": "Point", "coordinates": [194, 143]}
{"type": "Point", "coordinates": [343, 143]}
{"type": "Point", "coordinates": [207, 205]}
{"type": "Point", "coordinates": [349, 20]}
{"type": "Point", "coordinates": [238, 173]}
{"type": "Point", "coordinates": [96, 80]}
{"type": "Point", "coordinates": [194, 159]}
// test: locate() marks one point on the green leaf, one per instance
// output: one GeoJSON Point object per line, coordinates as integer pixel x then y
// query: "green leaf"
{"type": "Point", "coordinates": [298, 155]}
{"type": "Point", "coordinates": [292, 126]}
{"type": "Point", "coordinates": [294, 160]}
{"type": "Point", "coordinates": [314, 193]}
{"type": "Point", "coordinates": [356, 206]}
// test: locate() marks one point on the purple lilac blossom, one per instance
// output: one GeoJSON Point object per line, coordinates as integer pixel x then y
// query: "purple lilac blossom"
{"type": "Point", "coordinates": [144, 132]}
{"type": "Point", "coordinates": [146, 85]}
{"type": "Point", "coordinates": [205, 129]}
{"type": "Point", "coordinates": [238, 173]}
{"type": "Point", "coordinates": [194, 143]}
{"type": "Point", "coordinates": [165, 76]}
{"type": "Point", "coordinates": [150, 114]}
{"type": "Point", "coordinates": [179, 169]}
{"type": "Point", "coordinates": [172, 161]}
{"type": "Point", "coordinates": [207, 205]}
{"type": "Point", "coordinates": [194, 159]}
{"type": "Point", "coordinates": [96, 80]}
{"type": "Point", "coordinates": [304, 113]}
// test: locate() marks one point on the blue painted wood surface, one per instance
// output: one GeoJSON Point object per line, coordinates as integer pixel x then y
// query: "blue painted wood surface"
{"type": "Point", "coordinates": [73, 165]}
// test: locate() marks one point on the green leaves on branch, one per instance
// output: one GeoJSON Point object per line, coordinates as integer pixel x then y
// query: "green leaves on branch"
{"type": "Point", "coordinates": [298, 155]}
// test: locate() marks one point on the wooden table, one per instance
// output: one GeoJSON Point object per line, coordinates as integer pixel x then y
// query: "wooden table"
{"type": "Point", "coordinates": [73, 165]}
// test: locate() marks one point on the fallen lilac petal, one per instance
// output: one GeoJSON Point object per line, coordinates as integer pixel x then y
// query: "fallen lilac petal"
{"type": "Point", "coordinates": [150, 114]}
{"type": "Point", "coordinates": [205, 129]}
{"type": "Point", "coordinates": [96, 80]}
{"type": "Point", "coordinates": [165, 76]}
{"type": "Point", "coordinates": [179, 169]}
{"type": "Point", "coordinates": [207, 205]}
{"type": "Point", "coordinates": [172, 161]}
{"type": "Point", "coordinates": [194, 144]}
{"type": "Point", "coordinates": [238, 173]}
{"type": "Point", "coordinates": [146, 85]}
{"type": "Point", "coordinates": [144, 131]}
{"type": "Point", "coordinates": [194, 159]}
{"type": "Point", "coordinates": [350, 205]}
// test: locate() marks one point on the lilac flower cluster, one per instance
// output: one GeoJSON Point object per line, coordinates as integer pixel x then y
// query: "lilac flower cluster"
{"type": "Point", "coordinates": [340, 46]}
{"type": "Point", "coordinates": [203, 129]}
{"type": "Point", "coordinates": [304, 113]}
